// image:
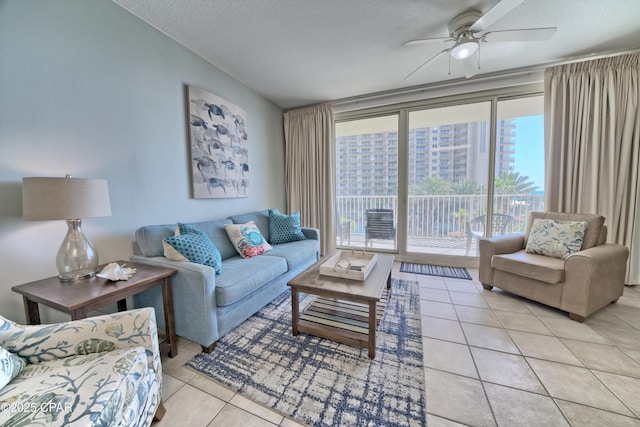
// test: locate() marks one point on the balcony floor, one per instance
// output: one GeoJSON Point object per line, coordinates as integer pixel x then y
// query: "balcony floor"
{"type": "Point", "coordinates": [421, 245]}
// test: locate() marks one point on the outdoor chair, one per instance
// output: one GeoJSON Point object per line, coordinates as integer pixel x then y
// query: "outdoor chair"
{"type": "Point", "coordinates": [343, 227]}
{"type": "Point", "coordinates": [380, 225]}
{"type": "Point", "coordinates": [475, 227]}
{"type": "Point", "coordinates": [344, 232]}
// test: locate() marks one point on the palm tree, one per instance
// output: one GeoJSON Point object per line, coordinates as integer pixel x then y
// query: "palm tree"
{"type": "Point", "coordinates": [432, 186]}
{"type": "Point", "coordinates": [514, 183]}
{"type": "Point", "coordinates": [465, 186]}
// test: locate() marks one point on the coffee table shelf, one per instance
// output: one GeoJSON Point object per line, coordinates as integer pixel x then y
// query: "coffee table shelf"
{"type": "Point", "coordinates": [346, 310]}
{"type": "Point", "coordinates": [327, 317]}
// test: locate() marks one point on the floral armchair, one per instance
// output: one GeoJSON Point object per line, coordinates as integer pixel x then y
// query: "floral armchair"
{"type": "Point", "coordinates": [102, 371]}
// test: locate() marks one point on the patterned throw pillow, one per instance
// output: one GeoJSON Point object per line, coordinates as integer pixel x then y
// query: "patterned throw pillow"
{"type": "Point", "coordinates": [247, 239]}
{"type": "Point", "coordinates": [284, 228]}
{"type": "Point", "coordinates": [10, 366]}
{"type": "Point", "coordinates": [555, 238]}
{"type": "Point", "coordinates": [195, 246]}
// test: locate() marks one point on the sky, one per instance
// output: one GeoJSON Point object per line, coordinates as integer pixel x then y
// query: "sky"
{"type": "Point", "coordinates": [529, 155]}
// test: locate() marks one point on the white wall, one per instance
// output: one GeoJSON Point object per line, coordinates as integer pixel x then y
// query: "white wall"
{"type": "Point", "coordinates": [88, 89]}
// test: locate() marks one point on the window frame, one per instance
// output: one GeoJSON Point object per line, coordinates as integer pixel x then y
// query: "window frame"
{"type": "Point", "coordinates": [402, 110]}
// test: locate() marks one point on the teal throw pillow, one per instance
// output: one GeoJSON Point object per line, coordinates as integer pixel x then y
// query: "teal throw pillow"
{"type": "Point", "coordinates": [555, 238]}
{"type": "Point", "coordinates": [10, 366]}
{"type": "Point", "coordinates": [196, 246]}
{"type": "Point", "coordinates": [284, 228]}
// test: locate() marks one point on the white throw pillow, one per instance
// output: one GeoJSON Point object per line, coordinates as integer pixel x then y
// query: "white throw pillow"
{"type": "Point", "coordinates": [10, 366]}
{"type": "Point", "coordinates": [555, 238]}
{"type": "Point", "coordinates": [170, 252]}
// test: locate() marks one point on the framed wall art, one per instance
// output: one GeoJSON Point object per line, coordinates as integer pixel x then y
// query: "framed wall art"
{"type": "Point", "coordinates": [219, 150]}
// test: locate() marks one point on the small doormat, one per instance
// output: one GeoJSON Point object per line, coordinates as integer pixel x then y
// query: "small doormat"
{"type": "Point", "coordinates": [435, 270]}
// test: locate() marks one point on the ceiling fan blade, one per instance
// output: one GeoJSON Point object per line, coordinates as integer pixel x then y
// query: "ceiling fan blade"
{"type": "Point", "coordinates": [471, 65]}
{"type": "Point", "coordinates": [499, 10]}
{"type": "Point", "coordinates": [526, 35]}
{"type": "Point", "coordinates": [425, 63]}
{"type": "Point", "coordinates": [429, 40]}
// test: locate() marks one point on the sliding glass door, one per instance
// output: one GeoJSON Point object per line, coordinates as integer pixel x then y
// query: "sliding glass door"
{"type": "Point", "coordinates": [519, 159]}
{"type": "Point", "coordinates": [448, 164]}
{"type": "Point", "coordinates": [367, 183]}
{"type": "Point", "coordinates": [431, 180]}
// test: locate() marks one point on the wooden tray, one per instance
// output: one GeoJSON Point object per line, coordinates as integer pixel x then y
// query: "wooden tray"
{"type": "Point", "coordinates": [349, 265]}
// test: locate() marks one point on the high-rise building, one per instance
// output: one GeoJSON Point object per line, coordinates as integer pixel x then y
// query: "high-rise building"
{"type": "Point", "coordinates": [367, 164]}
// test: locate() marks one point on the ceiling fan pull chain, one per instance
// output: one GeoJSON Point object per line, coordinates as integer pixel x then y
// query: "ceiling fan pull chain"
{"type": "Point", "coordinates": [449, 73]}
{"type": "Point", "coordinates": [479, 56]}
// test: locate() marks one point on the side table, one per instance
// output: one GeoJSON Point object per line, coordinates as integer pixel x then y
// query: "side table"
{"type": "Point", "coordinates": [81, 297]}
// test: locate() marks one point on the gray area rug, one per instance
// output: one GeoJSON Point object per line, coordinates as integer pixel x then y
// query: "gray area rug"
{"type": "Point", "coordinates": [320, 382]}
{"type": "Point", "coordinates": [435, 270]}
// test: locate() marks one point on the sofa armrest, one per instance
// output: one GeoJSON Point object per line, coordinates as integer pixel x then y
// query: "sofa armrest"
{"type": "Point", "coordinates": [194, 299]}
{"type": "Point", "coordinates": [39, 343]}
{"type": "Point", "coordinates": [311, 233]}
{"type": "Point", "coordinates": [504, 244]}
{"type": "Point", "coordinates": [594, 278]}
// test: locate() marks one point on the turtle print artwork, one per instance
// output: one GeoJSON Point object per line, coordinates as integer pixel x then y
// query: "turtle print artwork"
{"type": "Point", "coordinates": [219, 153]}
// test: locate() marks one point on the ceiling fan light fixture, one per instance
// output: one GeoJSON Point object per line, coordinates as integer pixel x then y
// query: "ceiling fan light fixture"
{"type": "Point", "coordinates": [464, 48]}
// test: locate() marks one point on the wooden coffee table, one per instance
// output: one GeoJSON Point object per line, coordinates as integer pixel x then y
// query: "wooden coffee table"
{"type": "Point", "coordinates": [346, 310]}
{"type": "Point", "coordinates": [80, 297]}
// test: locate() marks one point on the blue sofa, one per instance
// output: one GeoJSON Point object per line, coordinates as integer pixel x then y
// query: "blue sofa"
{"type": "Point", "coordinates": [208, 306]}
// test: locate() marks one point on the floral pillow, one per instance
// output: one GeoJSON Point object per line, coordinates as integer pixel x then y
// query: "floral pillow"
{"type": "Point", "coordinates": [247, 239]}
{"type": "Point", "coordinates": [284, 228]}
{"type": "Point", "coordinates": [192, 245]}
{"type": "Point", "coordinates": [555, 238]}
{"type": "Point", "coordinates": [10, 366]}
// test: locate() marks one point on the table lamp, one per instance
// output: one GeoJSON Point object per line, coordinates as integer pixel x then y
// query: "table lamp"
{"type": "Point", "coordinates": [71, 199]}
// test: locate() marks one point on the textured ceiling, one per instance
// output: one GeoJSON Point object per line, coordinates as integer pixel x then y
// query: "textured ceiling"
{"type": "Point", "coordinates": [302, 52]}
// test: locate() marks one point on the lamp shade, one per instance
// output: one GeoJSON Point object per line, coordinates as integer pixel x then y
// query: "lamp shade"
{"type": "Point", "coordinates": [46, 199]}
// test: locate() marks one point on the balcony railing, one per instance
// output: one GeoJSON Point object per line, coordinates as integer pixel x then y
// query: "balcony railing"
{"type": "Point", "coordinates": [441, 216]}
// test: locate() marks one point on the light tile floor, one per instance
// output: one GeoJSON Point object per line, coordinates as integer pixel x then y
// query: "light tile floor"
{"type": "Point", "coordinates": [490, 359]}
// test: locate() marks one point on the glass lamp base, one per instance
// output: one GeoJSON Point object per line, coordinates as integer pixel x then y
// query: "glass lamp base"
{"type": "Point", "coordinates": [77, 259]}
{"type": "Point", "coordinates": [74, 276]}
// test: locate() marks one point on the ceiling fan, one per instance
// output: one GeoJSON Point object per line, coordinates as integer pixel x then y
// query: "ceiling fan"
{"type": "Point", "coordinates": [467, 32]}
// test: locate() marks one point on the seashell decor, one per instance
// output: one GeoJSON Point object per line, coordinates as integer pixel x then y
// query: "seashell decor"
{"type": "Point", "coordinates": [115, 271]}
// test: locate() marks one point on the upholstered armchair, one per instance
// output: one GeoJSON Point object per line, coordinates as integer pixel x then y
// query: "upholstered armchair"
{"type": "Point", "coordinates": [580, 281]}
{"type": "Point", "coordinates": [102, 371]}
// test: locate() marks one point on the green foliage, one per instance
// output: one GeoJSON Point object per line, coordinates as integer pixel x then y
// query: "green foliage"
{"type": "Point", "coordinates": [431, 186]}
{"type": "Point", "coordinates": [514, 183]}
{"type": "Point", "coordinates": [466, 186]}
{"type": "Point", "coordinates": [434, 186]}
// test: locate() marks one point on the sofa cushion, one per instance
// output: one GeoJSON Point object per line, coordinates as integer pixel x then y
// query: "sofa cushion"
{"type": "Point", "coordinates": [247, 239]}
{"type": "Point", "coordinates": [218, 235]}
{"type": "Point", "coordinates": [261, 218]}
{"type": "Point", "coordinates": [532, 266]}
{"type": "Point", "coordinates": [284, 228]}
{"type": "Point", "coordinates": [103, 385]}
{"type": "Point", "coordinates": [149, 238]}
{"type": "Point", "coordinates": [555, 238]}
{"type": "Point", "coordinates": [591, 234]}
{"type": "Point", "coordinates": [10, 366]}
{"type": "Point", "coordinates": [195, 246]}
{"type": "Point", "coordinates": [296, 252]}
{"type": "Point", "coordinates": [241, 276]}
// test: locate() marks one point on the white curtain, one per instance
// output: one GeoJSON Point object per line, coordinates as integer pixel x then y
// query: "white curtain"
{"type": "Point", "coordinates": [310, 169]}
{"type": "Point", "coordinates": [592, 145]}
